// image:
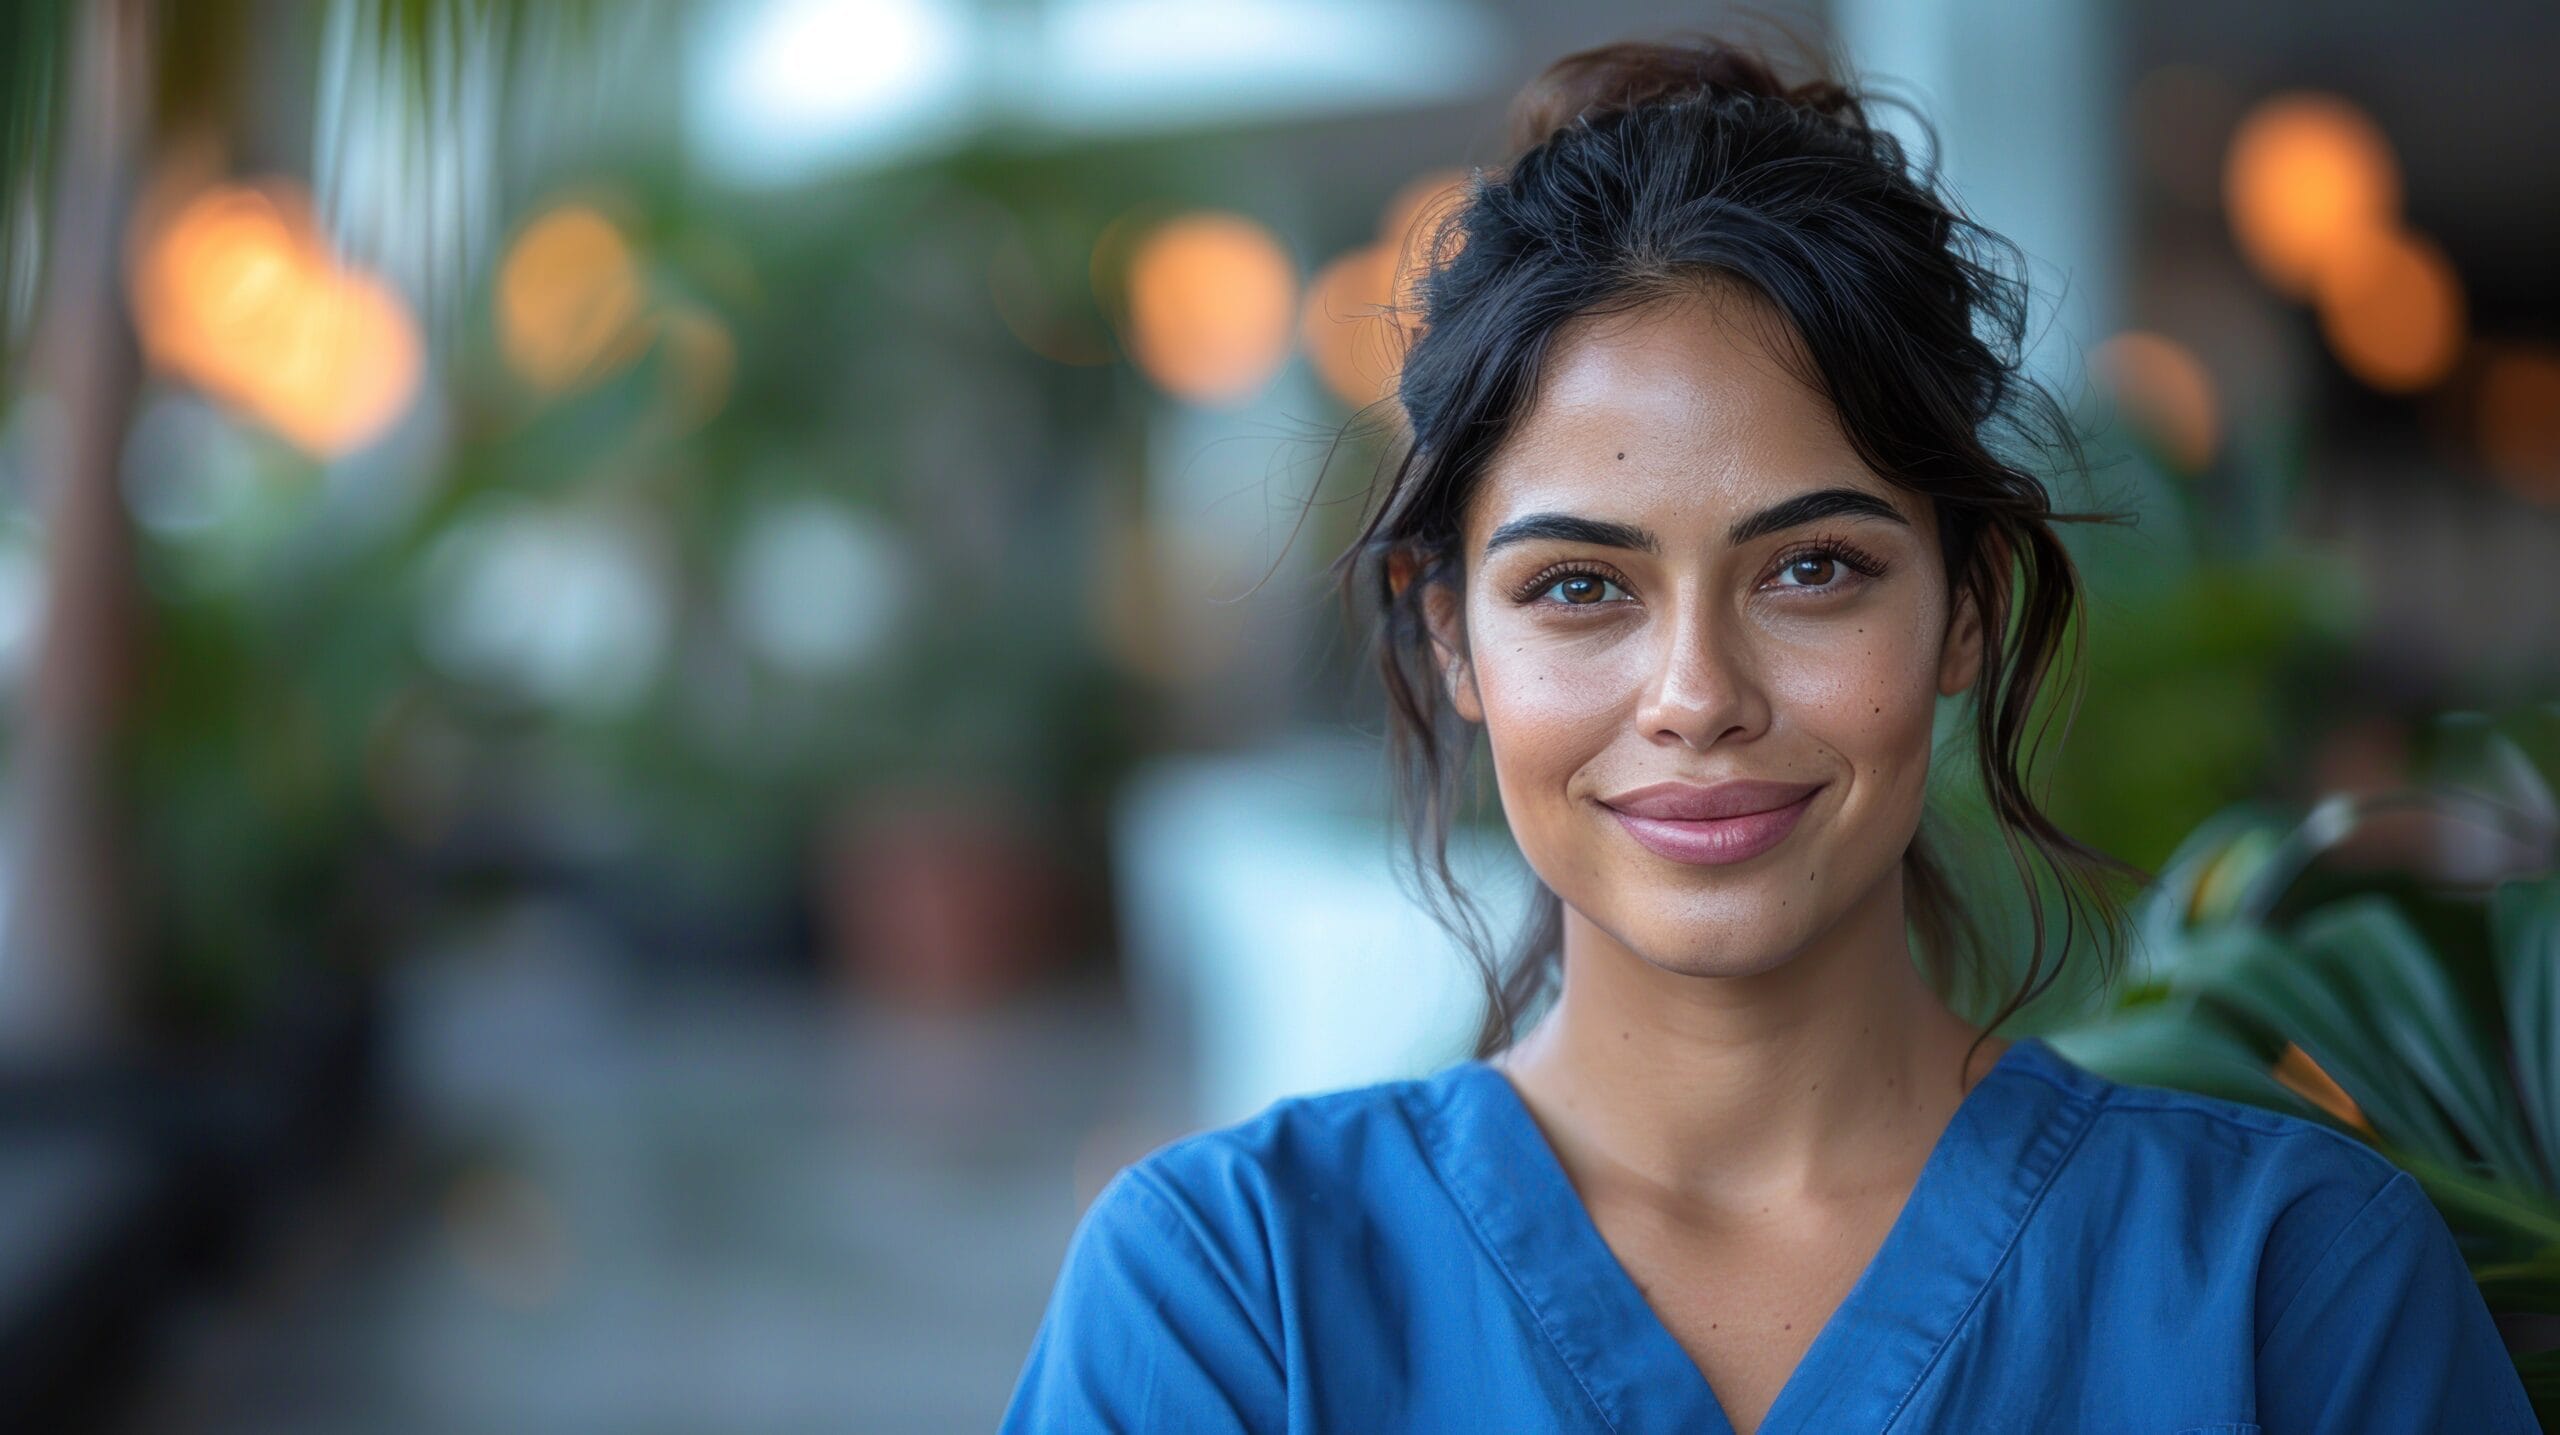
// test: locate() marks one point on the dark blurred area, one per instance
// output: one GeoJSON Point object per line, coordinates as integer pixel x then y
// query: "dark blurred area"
{"type": "Point", "coordinates": [671, 671]}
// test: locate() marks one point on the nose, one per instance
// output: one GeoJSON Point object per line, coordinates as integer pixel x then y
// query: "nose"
{"type": "Point", "coordinates": [1702, 687]}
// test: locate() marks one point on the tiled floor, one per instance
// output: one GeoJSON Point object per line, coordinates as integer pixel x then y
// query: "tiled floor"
{"type": "Point", "coordinates": [617, 1204]}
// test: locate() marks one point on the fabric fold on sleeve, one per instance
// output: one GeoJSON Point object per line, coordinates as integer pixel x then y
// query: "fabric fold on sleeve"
{"type": "Point", "coordinates": [2388, 1332]}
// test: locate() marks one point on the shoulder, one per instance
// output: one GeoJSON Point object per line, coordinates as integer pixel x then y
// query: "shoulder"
{"type": "Point", "coordinates": [2286, 1188]}
{"type": "Point", "coordinates": [2181, 1130]}
{"type": "Point", "coordinates": [1207, 1221]}
{"type": "Point", "coordinates": [2364, 1313]}
{"type": "Point", "coordinates": [1299, 1155]}
{"type": "Point", "coordinates": [1180, 1298]}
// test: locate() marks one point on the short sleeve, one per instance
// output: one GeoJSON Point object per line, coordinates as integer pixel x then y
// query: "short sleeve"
{"type": "Point", "coordinates": [2388, 1333]}
{"type": "Point", "coordinates": [1146, 1330]}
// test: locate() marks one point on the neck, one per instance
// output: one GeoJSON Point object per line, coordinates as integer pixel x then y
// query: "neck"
{"type": "Point", "coordinates": [1825, 1074]}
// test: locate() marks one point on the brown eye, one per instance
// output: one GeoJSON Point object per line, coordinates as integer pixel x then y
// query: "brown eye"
{"type": "Point", "coordinates": [1815, 569]}
{"type": "Point", "coordinates": [1576, 590]}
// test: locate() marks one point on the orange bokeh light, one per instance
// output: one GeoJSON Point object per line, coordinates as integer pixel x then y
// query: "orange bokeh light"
{"type": "Point", "coordinates": [1412, 231]}
{"type": "Point", "coordinates": [236, 293]}
{"type": "Point", "coordinates": [2391, 308]}
{"type": "Point", "coordinates": [2306, 174]}
{"type": "Point", "coordinates": [1365, 307]}
{"type": "Point", "coordinates": [1212, 300]}
{"type": "Point", "coordinates": [1354, 343]}
{"type": "Point", "coordinates": [2165, 389]}
{"type": "Point", "coordinates": [569, 300]}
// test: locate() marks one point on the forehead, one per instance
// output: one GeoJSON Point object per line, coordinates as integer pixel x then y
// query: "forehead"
{"type": "Point", "coordinates": [1696, 391]}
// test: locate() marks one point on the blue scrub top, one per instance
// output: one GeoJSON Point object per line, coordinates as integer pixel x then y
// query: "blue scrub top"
{"type": "Point", "coordinates": [2078, 1254]}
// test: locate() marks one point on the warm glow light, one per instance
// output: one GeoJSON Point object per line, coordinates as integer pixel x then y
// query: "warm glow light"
{"type": "Point", "coordinates": [2306, 174]}
{"type": "Point", "coordinates": [569, 300]}
{"type": "Point", "coordinates": [1212, 300]}
{"type": "Point", "coordinates": [1412, 231]}
{"type": "Point", "coordinates": [237, 294]}
{"type": "Point", "coordinates": [2391, 309]}
{"type": "Point", "coordinates": [2164, 388]}
{"type": "Point", "coordinates": [2298, 1073]}
{"type": "Point", "coordinates": [2518, 410]}
{"type": "Point", "coordinates": [1364, 308]}
{"type": "Point", "coordinates": [1355, 345]}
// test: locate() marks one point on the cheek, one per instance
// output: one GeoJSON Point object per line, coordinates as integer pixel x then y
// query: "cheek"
{"type": "Point", "coordinates": [1867, 687]}
{"type": "Point", "coordinates": [1548, 703]}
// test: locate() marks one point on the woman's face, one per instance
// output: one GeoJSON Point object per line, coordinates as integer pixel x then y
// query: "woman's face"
{"type": "Point", "coordinates": [1679, 572]}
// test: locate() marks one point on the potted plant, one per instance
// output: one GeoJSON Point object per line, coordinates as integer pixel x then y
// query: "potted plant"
{"type": "Point", "coordinates": [2387, 963]}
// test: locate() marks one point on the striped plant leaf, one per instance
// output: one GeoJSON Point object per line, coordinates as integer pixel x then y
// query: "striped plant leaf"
{"type": "Point", "coordinates": [2524, 940]}
{"type": "Point", "coordinates": [2367, 947]}
{"type": "Point", "coordinates": [2173, 1044]}
{"type": "Point", "coordinates": [2525, 1220]}
{"type": "Point", "coordinates": [2304, 1005]}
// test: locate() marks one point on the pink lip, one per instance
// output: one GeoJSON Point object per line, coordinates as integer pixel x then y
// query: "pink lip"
{"type": "Point", "coordinates": [1712, 840]}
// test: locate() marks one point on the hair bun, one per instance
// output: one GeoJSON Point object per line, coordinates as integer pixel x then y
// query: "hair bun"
{"type": "Point", "coordinates": [1628, 75]}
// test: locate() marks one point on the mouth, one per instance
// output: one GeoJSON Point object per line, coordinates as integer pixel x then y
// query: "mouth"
{"type": "Point", "coordinates": [1714, 841]}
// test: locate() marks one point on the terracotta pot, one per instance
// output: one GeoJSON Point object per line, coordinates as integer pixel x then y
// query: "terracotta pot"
{"type": "Point", "coordinates": [943, 901]}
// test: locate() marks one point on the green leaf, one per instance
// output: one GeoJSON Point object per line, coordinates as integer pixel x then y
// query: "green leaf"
{"type": "Point", "coordinates": [2305, 1003]}
{"type": "Point", "coordinates": [2172, 1044]}
{"type": "Point", "coordinates": [2479, 1203]}
{"type": "Point", "coordinates": [2470, 756]}
{"type": "Point", "coordinates": [2526, 1287]}
{"type": "Point", "coordinates": [2524, 940]}
{"type": "Point", "coordinates": [2370, 949]}
{"type": "Point", "coordinates": [2173, 904]}
{"type": "Point", "coordinates": [2211, 956]}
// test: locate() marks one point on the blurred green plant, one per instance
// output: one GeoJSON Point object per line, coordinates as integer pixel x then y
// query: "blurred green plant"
{"type": "Point", "coordinates": [2387, 964]}
{"type": "Point", "coordinates": [98, 101]}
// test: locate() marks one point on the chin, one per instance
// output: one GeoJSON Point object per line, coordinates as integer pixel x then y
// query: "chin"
{"type": "Point", "coordinates": [1720, 964]}
{"type": "Point", "coordinates": [1733, 935]}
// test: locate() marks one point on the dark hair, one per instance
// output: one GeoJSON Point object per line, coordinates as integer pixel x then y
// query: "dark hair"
{"type": "Point", "coordinates": [1649, 170]}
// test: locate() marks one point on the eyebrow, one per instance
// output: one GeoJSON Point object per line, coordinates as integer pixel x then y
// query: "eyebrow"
{"type": "Point", "coordinates": [1605, 533]}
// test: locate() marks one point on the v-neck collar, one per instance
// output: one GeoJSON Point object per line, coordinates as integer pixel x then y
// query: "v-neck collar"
{"type": "Point", "coordinates": [2008, 1136]}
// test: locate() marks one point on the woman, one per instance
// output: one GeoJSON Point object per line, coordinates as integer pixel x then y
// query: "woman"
{"type": "Point", "coordinates": [1699, 519]}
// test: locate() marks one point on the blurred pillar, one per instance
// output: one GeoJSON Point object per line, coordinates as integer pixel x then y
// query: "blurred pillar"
{"type": "Point", "coordinates": [2026, 96]}
{"type": "Point", "coordinates": [64, 932]}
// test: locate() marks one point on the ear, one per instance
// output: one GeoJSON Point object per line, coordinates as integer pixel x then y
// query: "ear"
{"type": "Point", "coordinates": [1443, 616]}
{"type": "Point", "coordinates": [1960, 656]}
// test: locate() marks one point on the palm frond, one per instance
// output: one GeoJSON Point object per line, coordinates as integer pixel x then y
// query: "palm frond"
{"type": "Point", "coordinates": [424, 112]}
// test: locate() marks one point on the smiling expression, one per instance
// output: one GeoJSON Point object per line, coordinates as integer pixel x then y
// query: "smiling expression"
{"type": "Point", "coordinates": [1679, 570]}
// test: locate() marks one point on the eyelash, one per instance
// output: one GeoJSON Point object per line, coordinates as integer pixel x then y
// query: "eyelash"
{"type": "Point", "coordinates": [1840, 550]}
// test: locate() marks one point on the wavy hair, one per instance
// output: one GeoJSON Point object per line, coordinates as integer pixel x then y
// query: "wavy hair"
{"type": "Point", "coordinates": [1644, 170]}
